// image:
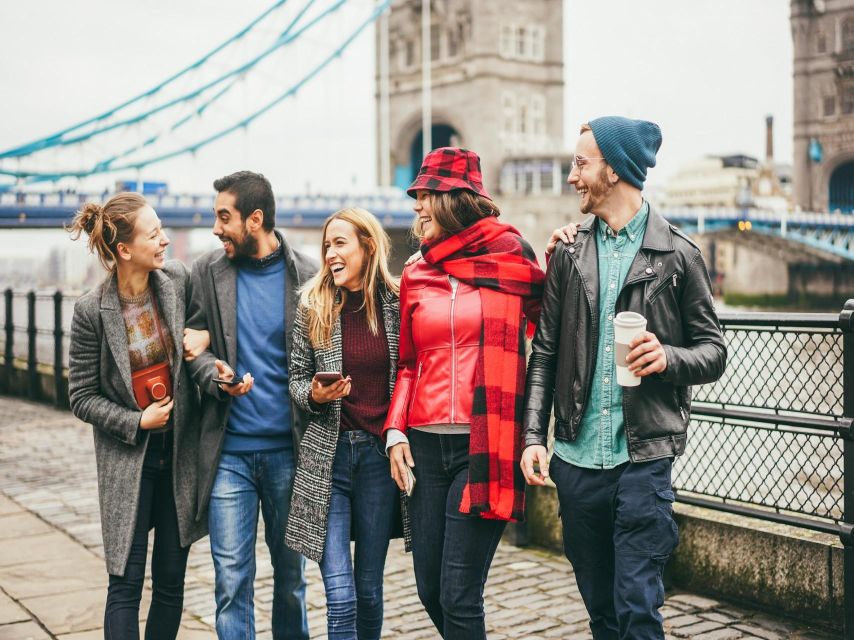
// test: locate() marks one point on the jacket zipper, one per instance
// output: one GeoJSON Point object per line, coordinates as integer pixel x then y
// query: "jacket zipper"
{"type": "Point", "coordinates": [661, 286]}
{"type": "Point", "coordinates": [417, 380]}
{"type": "Point", "coordinates": [454, 284]}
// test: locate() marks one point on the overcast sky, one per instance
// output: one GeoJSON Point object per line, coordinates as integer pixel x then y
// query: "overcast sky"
{"type": "Point", "coordinates": [708, 71]}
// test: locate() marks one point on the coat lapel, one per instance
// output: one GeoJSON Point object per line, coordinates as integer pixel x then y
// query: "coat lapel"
{"type": "Point", "coordinates": [116, 336]}
{"type": "Point", "coordinates": [586, 258]}
{"type": "Point", "coordinates": [164, 289]}
{"type": "Point", "coordinates": [292, 289]}
{"type": "Point", "coordinates": [333, 357]}
{"type": "Point", "coordinates": [656, 238]}
{"type": "Point", "coordinates": [224, 284]}
{"type": "Point", "coordinates": [391, 323]}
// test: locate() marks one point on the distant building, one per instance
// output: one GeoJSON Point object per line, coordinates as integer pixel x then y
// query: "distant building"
{"type": "Point", "coordinates": [736, 180]}
{"type": "Point", "coordinates": [497, 81]}
{"type": "Point", "coordinates": [823, 37]}
{"type": "Point", "coordinates": [713, 181]}
{"type": "Point", "coordinates": [70, 266]}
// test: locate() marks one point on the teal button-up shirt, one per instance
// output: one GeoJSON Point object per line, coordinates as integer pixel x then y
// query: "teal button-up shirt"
{"type": "Point", "coordinates": [601, 442]}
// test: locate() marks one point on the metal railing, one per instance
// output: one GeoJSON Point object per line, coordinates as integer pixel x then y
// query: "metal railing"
{"type": "Point", "coordinates": [773, 439]}
{"type": "Point", "coordinates": [35, 342]}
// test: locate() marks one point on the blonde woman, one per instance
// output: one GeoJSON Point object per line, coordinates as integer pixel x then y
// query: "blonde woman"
{"type": "Point", "coordinates": [126, 378]}
{"type": "Point", "coordinates": [343, 370]}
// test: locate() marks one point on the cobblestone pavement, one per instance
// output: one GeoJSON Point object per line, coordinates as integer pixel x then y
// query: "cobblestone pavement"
{"type": "Point", "coordinates": [52, 576]}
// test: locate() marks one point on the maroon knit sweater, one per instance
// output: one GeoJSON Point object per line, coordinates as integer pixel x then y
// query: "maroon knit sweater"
{"type": "Point", "coordinates": [365, 360]}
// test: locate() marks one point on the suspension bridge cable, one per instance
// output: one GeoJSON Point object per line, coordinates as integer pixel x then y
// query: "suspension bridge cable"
{"type": "Point", "coordinates": [39, 176]}
{"type": "Point", "coordinates": [48, 141]}
{"type": "Point", "coordinates": [236, 72]}
{"type": "Point", "coordinates": [199, 110]}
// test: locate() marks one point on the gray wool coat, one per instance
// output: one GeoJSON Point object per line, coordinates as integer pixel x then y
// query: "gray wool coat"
{"type": "Point", "coordinates": [213, 306]}
{"type": "Point", "coordinates": [309, 515]}
{"type": "Point", "coordinates": [101, 393]}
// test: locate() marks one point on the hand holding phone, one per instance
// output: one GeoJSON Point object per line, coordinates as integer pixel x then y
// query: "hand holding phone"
{"type": "Point", "coordinates": [230, 383]}
{"type": "Point", "coordinates": [327, 386]}
{"type": "Point", "coordinates": [326, 378]}
{"type": "Point", "coordinates": [409, 482]}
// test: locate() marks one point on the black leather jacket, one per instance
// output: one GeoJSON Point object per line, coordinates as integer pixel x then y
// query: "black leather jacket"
{"type": "Point", "coordinates": [668, 284]}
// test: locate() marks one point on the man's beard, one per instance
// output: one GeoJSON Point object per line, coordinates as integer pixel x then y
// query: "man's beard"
{"type": "Point", "coordinates": [597, 191]}
{"type": "Point", "coordinates": [246, 248]}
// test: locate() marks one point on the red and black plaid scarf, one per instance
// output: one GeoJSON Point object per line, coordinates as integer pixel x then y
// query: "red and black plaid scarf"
{"type": "Point", "coordinates": [493, 257]}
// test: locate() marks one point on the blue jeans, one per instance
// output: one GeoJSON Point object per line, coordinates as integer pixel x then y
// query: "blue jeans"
{"type": "Point", "coordinates": [618, 532]}
{"type": "Point", "coordinates": [242, 481]}
{"type": "Point", "coordinates": [168, 560]}
{"type": "Point", "coordinates": [364, 498]}
{"type": "Point", "coordinates": [451, 551]}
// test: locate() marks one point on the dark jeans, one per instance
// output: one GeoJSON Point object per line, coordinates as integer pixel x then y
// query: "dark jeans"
{"type": "Point", "coordinates": [364, 498]}
{"type": "Point", "coordinates": [451, 551]}
{"type": "Point", "coordinates": [168, 561]}
{"type": "Point", "coordinates": [618, 532]}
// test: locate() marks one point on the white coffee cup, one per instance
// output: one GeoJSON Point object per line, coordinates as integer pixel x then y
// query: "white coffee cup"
{"type": "Point", "coordinates": [627, 325]}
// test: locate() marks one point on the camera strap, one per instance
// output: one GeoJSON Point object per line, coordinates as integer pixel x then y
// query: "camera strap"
{"type": "Point", "coordinates": [163, 342]}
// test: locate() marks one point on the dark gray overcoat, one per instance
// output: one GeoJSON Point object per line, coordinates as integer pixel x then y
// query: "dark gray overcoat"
{"type": "Point", "coordinates": [100, 391]}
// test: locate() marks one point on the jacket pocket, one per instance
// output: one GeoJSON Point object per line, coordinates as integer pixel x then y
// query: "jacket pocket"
{"type": "Point", "coordinates": [670, 281]}
{"type": "Point", "coordinates": [564, 430]}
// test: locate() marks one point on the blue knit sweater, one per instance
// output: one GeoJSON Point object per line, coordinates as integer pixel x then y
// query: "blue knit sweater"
{"type": "Point", "coordinates": [261, 420]}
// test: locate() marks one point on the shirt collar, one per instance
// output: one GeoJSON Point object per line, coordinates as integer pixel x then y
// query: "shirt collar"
{"type": "Point", "coordinates": [634, 228]}
{"type": "Point", "coordinates": [267, 260]}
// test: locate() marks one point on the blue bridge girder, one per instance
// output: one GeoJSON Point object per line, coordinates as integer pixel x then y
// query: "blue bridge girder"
{"type": "Point", "coordinates": [832, 233]}
{"type": "Point", "coordinates": [53, 210]}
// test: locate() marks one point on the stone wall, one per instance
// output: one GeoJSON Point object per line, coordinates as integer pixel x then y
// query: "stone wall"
{"type": "Point", "coordinates": [783, 569]}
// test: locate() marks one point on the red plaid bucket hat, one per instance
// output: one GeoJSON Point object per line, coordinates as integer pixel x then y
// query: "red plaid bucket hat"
{"type": "Point", "coordinates": [449, 168]}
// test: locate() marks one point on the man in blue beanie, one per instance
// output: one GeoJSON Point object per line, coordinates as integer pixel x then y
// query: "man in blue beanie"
{"type": "Point", "coordinates": [614, 445]}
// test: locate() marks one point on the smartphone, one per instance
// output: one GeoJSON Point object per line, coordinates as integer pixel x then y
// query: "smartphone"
{"type": "Point", "coordinates": [328, 377]}
{"type": "Point", "coordinates": [410, 481]}
{"type": "Point", "coordinates": [229, 383]}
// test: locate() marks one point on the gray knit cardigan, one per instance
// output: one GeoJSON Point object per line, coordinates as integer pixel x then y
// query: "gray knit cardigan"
{"type": "Point", "coordinates": [309, 515]}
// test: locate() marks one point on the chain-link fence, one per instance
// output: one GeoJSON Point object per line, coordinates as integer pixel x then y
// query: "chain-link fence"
{"type": "Point", "coordinates": [769, 435]}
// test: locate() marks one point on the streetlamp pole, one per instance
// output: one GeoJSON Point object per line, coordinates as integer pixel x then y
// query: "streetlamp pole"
{"type": "Point", "coordinates": [426, 98]}
{"type": "Point", "coordinates": [385, 104]}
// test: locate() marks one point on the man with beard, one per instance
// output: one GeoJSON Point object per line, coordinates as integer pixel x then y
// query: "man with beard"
{"type": "Point", "coordinates": [614, 446]}
{"type": "Point", "coordinates": [247, 297]}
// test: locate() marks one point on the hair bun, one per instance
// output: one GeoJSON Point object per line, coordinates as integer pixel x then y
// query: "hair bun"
{"type": "Point", "coordinates": [89, 216]}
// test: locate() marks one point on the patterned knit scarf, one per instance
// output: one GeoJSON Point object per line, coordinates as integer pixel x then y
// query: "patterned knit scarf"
{"type": "Point", "coordinates": [493, 257]}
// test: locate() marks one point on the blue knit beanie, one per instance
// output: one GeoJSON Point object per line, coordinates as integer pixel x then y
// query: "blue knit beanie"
{"type": "Point", "coordinates": [629, 146]}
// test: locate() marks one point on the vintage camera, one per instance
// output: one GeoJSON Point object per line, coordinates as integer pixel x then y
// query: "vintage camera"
{"type": "Point", "coordinates": [151, 384]}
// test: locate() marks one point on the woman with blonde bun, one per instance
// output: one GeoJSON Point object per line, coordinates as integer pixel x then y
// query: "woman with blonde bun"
{"type": "Point", "coordinates": [127, 379]}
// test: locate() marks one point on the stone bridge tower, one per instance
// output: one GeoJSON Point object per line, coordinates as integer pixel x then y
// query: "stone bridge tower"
{"type": "Point", "coordinates": [823, 37]}
{"type": "Point", "coordinates": [497, 82]}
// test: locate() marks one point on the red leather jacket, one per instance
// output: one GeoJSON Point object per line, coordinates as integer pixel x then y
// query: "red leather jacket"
{"type": "Point", "coordinates": [440, 326]}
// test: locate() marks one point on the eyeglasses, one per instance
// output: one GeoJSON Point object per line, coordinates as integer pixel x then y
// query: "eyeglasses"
{"type": "Point", "coordinates": [578, 162]}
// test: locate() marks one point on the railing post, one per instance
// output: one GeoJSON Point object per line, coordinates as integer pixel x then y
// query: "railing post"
{"type": "Point", "coordinates": [9, 351]}
{"type": "Point", "coordinates": [32, 360]}
{"type": "Point", "coordinates": [58, 381]}
{"type": "Point", "coordinates": [846, 323]}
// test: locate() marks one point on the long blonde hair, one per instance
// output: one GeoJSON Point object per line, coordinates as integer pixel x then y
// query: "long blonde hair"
{"type": "Point", "coordinates": [319, 293]}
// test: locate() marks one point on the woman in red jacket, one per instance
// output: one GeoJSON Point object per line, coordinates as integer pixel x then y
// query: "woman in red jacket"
{"type": "Point", "coordinates": [454, 420]}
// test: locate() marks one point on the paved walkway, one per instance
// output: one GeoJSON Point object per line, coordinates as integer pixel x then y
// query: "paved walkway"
{"type": "Point", "coordinates": [53, 581]}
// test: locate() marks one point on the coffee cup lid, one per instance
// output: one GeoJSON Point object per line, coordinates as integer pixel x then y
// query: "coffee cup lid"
{"type": "Point", "coordinates": [629, 319]}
